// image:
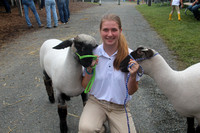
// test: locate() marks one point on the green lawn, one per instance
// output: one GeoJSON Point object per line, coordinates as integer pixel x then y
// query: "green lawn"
{"type": "Point", "coordinates": [183, 37]}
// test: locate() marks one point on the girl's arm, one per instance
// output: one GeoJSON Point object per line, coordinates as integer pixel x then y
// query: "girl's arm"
{"type": "Point", "coordinates": [181, 3]}
{"type": "Point", "coordinates": [196, 1]}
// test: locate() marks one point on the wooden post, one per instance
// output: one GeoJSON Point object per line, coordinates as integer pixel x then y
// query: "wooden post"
{"type": "Point", "coordinates": [19, 5]}
{"type": "Point", "coordinates": [39, 3]}
{"type": "Point", "coordinates": [12, 3]}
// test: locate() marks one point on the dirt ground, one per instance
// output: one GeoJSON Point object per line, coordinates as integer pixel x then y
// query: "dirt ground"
{"type": "Point", "coordinates": [12, 25]}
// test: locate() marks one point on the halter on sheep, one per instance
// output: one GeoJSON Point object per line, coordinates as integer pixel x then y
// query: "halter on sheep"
{"type": "Point", "coordinates": [181, 87]}
{"type": "Point", "coordinates": [62, 70]}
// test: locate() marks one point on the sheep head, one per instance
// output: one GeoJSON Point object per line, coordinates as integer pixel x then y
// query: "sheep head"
{"type": "Point", "coordinates": [83, 45]}
{"type": "Point", "coordinates": [139, 53]}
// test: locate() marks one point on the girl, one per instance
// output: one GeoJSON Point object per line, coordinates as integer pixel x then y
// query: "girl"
{"type": "Point", "coordinates": [107, 95]}
{"type": "Point", "coordinates": [175, 4]}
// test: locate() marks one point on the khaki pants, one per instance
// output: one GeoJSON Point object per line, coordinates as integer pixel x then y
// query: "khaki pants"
{"type": "Point", "coordinates": [96, 112]}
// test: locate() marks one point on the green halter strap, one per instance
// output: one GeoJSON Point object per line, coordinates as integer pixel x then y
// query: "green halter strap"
{"type": "Point", "coordinates": [89, 85]}
{"type": "Point", "coordinates": [86, 56]}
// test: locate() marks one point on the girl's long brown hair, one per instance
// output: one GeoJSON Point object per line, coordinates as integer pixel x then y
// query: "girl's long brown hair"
{"type": "Point", "coordinates": [122, 44]}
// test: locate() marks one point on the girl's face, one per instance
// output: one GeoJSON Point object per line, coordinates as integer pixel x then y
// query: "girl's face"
{"type": "Point", "coordinates": [110, 33]}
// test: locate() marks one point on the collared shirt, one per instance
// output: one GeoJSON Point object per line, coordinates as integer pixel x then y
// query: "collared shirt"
{"type": "Point", "coordinates": [109, 83]}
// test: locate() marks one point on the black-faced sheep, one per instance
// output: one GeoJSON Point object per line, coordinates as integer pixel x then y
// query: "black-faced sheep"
{"type": "Point", "coordinates": [181, 87]}
{"type": "Point", "coordinates": [62, 70]}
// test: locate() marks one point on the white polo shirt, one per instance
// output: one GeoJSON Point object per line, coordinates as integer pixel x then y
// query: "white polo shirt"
{"type": "Point", "coordinates": [109, 83]}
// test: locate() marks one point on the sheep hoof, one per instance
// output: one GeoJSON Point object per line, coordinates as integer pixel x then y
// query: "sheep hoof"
{"type": "Point", "coordinates": [63, 127]}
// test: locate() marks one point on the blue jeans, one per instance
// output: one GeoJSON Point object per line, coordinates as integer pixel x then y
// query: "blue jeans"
{"type": "Point", "coordinates": [50, 5]}
{"type": "Point", "coordinates": [67, 2]}
{"type": "Point", "coordinates": [194, 9]}
{"type": "Point", "coordinates": [62, 8]}
{"type": "Point", "coordinates": [31, 4]}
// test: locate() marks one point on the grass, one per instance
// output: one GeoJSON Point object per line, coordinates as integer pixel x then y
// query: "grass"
{"type": "Point", "coordinates": [182, 37]}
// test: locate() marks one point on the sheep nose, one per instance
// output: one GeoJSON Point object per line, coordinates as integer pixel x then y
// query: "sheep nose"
{"type": "Point", "coordinates": [86, 62]}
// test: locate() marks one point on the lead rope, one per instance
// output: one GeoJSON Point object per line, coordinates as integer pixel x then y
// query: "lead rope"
{"type": "Point", "coordinates": [89, 85]}
{"type": "Point", "coordinates": [125, 100]}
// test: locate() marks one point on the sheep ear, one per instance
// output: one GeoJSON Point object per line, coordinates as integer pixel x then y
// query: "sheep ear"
{"type": "Point", "coordinates": [64, 44]}
{"type": "Point", "coordinates": [140, 51]}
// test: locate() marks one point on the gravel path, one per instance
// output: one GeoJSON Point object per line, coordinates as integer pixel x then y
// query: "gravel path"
{"type": "Point", "coordinates": [24, 106]}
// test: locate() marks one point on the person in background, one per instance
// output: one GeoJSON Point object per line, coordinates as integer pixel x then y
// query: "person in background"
{"type": "Point", "coordinates": [42, 5]}
{"type": "Point", "coordinates": [194, 9]}
{"type": "Point", "coordinates": [30, 4]}
{"type": "Point", "coordinates": [7, 6]}
{"type": "Point", "coordinates": [67, 2]}
{"type": "Point", "coordinates": [138, 2]}
{"type": "Point", "coordinates": [175, 4]}
{"type": "Point", "coordinates": [50, 5]}
{"type": "Point", "coordinates": [63, 12]}
{"type": "Point", "coordinates": [108, 92]}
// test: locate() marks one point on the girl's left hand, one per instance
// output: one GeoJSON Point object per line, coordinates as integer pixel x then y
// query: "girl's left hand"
{"type": "Point", "coordinates": [134, 67]}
